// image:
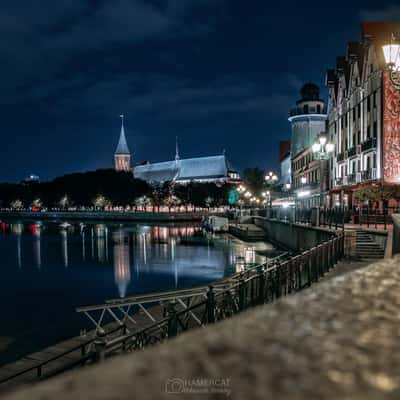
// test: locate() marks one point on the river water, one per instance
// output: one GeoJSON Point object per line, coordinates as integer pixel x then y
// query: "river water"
{"type": "Point", "coordinates": [49, 269]}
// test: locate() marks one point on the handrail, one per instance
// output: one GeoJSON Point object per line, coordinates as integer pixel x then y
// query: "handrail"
{"type": "Point", "coordinates": [56, 357]}
{"type": "Point", "coordinates": [167, 295]}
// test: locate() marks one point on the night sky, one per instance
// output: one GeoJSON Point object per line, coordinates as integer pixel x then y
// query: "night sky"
{"type": "Point", "coordinates": [220, 74]}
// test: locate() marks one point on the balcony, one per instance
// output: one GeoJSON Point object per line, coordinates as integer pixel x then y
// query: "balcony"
{"type": "Point", "coordinates": [340, 157]}
{"type": "Point", "coordinates": [369, 175]}
{"type": "Point", "coordinates": [352, 151]}
{"type": "Point", "coordinates": [338, 181]}
{"type": "Point", "coordinates": [310, 110]}
{"type": "Point", "coordinates": [351, 179]}
{"type": "Point", "coordinates": [369, 144]}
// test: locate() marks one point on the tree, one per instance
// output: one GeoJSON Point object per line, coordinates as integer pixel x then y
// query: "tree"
{"type": "Point", "coordinates": [142, 201]}
{"type": "Point", "coordinates": [160, 192]}
{"type": "Point", "coordinates": [254, 179]}
{"type": "Point", "coordinates": [17, 204]}
{"type": "Point", "coordinates": [100, 202]}
{"type": "Point", "coordinates": [376, 193]}
{"type": "Point", "coordinates": [64, 202]}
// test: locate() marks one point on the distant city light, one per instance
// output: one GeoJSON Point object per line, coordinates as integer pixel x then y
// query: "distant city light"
{"type": "Point", "coordinates": [303, 193]}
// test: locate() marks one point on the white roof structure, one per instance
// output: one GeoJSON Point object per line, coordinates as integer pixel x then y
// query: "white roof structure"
{"type": "Point", "coordinates": [185, 170]}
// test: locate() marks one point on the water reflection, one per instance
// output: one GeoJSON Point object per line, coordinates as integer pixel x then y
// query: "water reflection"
{"type": "Point", "coordinates": [122, 271]}
{"type": "Point", "coordinates": [178, 255]}
{"type": "Point", "coordinates": [64, 246]}
{"type": "Point", "coordinates": [37, 249]}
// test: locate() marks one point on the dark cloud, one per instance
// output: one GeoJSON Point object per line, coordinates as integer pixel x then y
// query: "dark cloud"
{"type": "Point", "coordinates": [389, 12]}
{"type": "Point", "coordinates": [220, 73]}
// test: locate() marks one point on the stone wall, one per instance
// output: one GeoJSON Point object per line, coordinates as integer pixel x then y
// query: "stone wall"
{"type": "Point", "coordinates": [295, 237]}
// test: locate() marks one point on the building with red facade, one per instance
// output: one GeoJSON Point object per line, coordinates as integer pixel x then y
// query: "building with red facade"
{"type": "Point", "coordinates": [364, 117]}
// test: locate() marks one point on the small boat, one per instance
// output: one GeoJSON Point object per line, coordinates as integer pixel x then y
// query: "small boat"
{"type": "Point", "coordinates": [65, 225]}
{"type": "Point", "coordinates": [215, 224]}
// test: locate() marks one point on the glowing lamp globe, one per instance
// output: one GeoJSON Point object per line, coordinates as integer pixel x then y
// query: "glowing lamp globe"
{"type": "Point", "coordinates": [316, 147]}
{"type": "Point", "coordinates": [330, 147]}
{"type": "Point", "coordinates": [391, 53]}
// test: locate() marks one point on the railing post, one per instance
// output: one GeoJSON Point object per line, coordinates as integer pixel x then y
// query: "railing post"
{"type": "Point", "coordinates": [261, 284]}
{"type": "Point", "coordinates": [210, 305]}
{"type": "Point", "coordinates": [172, 322]}
{"type": "Point", "coordinates": [100, 346]}
{"type": "Point", "coordinates": [309, 266]}
{"type": "Point", "coordinates": [242, 294]}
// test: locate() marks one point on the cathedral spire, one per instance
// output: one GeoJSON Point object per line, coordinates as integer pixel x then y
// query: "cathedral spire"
{"type": "Point", "coordinates": [176, 149]}
{"type": "Point", "coordinates": [122, 156]}
{"type": "Point", "coordinates": [122, 147]}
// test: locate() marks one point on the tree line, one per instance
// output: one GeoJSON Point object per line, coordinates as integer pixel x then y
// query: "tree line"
{"type": "Point", "coordinates": [107, 187]}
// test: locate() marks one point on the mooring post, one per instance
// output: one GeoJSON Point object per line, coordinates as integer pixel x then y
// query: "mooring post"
{"type": "Point", "coordinates": [100, 346]}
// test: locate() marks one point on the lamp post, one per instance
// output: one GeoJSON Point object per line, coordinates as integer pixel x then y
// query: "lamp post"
{"type": "Point", "coordinates": [322, 150]}
{"type": "Point", "coordinates": [271, 177]}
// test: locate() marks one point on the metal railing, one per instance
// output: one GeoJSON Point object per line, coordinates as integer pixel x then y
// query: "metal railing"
{"type": "Point", "coordinates": [337, 217]}
{"type": "Point", "coordinates": [263, 284]}
{"type": "Point", "coordinates": [84, 355]}
{"type": "Point", "coordinates": [373, 217]}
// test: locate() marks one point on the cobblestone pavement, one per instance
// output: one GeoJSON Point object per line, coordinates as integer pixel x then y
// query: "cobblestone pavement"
{"type": "Point", "coordinates": [337, 341]}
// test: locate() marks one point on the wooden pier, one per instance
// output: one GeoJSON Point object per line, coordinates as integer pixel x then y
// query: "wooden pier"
{"type": "Point", "coordinates": [61, 356]}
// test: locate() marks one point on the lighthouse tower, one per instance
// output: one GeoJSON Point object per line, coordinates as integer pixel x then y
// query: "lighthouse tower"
{"type": "Point", "coordinates": [307, 119]}
{"type": "Point", "coordinates": [122, 156]}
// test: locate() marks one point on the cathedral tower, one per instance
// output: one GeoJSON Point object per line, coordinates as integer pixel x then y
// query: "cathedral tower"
{"type": "Point", "coordinates": [122, 156]}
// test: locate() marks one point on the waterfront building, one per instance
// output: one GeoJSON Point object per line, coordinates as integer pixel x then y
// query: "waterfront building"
{"type": "Point", "coordinates": [122, 155]}
{"type": "Point", "coordinates": [364, 116]}
{"type": "Point", "coordinates": [215, 169]}
{"type": "Point", "coordinates": [308, 121]}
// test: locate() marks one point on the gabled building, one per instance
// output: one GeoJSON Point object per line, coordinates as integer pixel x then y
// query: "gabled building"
{"type": "Point", "coordinates": [363, 116]}
{"type": "Point", "coordinates": [215, 169]}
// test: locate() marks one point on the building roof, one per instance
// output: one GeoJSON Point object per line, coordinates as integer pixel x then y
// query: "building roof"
{"type": "Point", "coordinates": [122, 147]}
{"type": "Point", "coordinates": [213, 167]}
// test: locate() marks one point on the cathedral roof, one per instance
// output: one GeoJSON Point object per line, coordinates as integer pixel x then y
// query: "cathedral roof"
{"type": "Point", "coordinates": [213, 167]}
{"type": "Point", "coordinates": [122, 147]}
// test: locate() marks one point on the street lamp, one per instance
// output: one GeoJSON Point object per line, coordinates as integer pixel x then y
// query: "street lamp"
{"type": "Point", "coordinates": [391, 52]}
{"type": "Point", "coordinates": [322, 148]}
{"type": "Point", "coordinates": [271, 177]}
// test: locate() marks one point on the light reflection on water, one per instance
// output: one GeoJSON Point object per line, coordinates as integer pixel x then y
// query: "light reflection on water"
{"type": "Point", "coordinates": [49, 269]}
